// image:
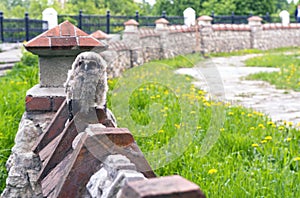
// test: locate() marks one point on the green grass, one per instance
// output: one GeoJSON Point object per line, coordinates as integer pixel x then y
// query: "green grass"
{"type": "Point", "coordinates": [12, 99]}
{"type": "Point", "coordinates": [181, 61]}
{"type": "Point", "coordinates": [286, 78]}
{"type": "Point", "coordinates": [227, 150]}
{"type": "Point", "coordinates": [236, 53]}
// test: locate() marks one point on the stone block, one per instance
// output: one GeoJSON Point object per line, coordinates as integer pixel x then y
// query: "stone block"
{"type": "Point", "coordinates": [167, 187]}
{"type": "Point", "coordinates": [54, 70]}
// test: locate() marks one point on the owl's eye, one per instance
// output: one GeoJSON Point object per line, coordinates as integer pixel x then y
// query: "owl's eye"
{"type": "Point", "coordinates": [91, 65]}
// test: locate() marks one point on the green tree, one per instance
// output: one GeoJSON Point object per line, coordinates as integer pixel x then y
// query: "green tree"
{"type": "Point", "coordinates": [176, 7]}
{"type": "Point", "coordinates": [255, 7]}
{"type": "Point", "coordinates": [219, 7]}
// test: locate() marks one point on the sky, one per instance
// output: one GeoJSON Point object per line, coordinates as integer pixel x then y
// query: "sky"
{"type": "Point", "coordinates": [151, 2]}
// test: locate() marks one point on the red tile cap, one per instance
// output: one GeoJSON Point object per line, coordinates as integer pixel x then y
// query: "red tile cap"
{"type": "Point", "coordinates": [64, 36]}
{"type": "Point", "coordinates": [204, 18]}
{"type": "Point", "coordinates": [254, 18]}
{"type": "Point", "coordinates": [162, 21]}
{"type": "Point", "coordinates": [99, 35]}
{"type": "Point", "coordinates": [131, 22]}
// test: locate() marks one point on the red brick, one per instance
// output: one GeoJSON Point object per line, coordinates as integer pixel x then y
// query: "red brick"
{"type": "Point", "coordinates": [162, 21]}
{"type": "Point", "coordinates": [38, 103]}
{"type": "Point", "coordinates": [167, 187]}
{"type": "Point", "coordinates": [38, 42]}
{"type": "Point", "coordinates": [56, 102]}
{"type": "Point", "coordinates": [79, 32]}
{"type": "Point", "coordinates": [67, 29]}
{"type": "Point", "coordinates": [89, 41]}
{"type": "Point", "coordinates": [131, 22]}
{"type": "Point", "coordinates": [52, 32]}
{"type": "Point", "coordinates": [63, 42]}
{"type": "Point", "coordinates": [118, 136]}
{"type": "Point", "coordinates": [99, 35]}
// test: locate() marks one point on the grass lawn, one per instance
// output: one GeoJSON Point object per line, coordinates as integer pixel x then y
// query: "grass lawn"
{"type": "Point", "coordinates": [289, 75]}
{"type": "Point", "coordinates": [227, 150]}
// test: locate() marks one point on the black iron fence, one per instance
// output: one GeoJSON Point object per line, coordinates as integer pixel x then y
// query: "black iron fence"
{"type": "Point", "coordinates": [112, 24]}
{"type": "Point", "coordinates": [19, 30]}
{"type": "Point", "coordinates": [242, 19]}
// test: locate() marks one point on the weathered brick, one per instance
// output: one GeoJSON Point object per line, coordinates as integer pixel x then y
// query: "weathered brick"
{"type": "Point", "coordinates": [63, 42]}
{"type": "Point", "coordinates": [38, 103]}
{"type": "Point", "coordinates": [56, 102]}
{"type": "Point", "coordinates": [167, 187]}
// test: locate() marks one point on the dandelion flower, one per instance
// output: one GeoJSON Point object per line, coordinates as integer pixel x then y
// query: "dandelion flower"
{"type": "Point", "coordinates": [288, 139]}
{"type": "Point", "coordinates": [199, 127]}
{"type": "Point", "coordinates": [222, 129]}
{"type": "Point", "coordinates": [297, 159]}
{"type": "Point", "coordinates": [212, 171]}
{"type": "Point", "coordinates": [250, 115]}
{"type": "Point", "coordinates": [263, 141]}
{"type": "Point", "coordinates": [254, 145]}
{"type": "Point", "coordinates": [261, 126]}
{"type": "Point", "coordinates": [252, 128]}
{"type": "Point", "coordinates": [290, 123]}
{"type": "Point", "coordinates": [230, 113]}
{"type": "Point", "coordinates": [268, 137]}
{"type": "Point", "coordinates": [281, 127]}
{"type": "Point", "coordinates": [161, 131]}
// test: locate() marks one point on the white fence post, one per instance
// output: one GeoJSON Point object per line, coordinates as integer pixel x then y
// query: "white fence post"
{"type": "Point", "coordinates": [189, 16]}
{"type": "Point", "coordinates": [50, 15]}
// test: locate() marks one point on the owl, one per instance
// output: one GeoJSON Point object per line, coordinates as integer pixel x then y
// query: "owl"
{"type": "Point", "coordinates": [86, 84]}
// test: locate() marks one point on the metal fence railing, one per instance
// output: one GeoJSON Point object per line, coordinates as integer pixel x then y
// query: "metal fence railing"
{"type": "Point", "coordinates": [113, 23]}
{"type": "Point", "coordinates": [19, 30]}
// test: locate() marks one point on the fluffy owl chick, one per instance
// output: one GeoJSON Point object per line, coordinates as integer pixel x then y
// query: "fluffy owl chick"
{"type": "Point", "coordinates": [86, 84]}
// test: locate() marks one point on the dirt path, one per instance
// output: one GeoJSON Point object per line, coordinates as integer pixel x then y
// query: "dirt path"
{"type": "Point", "coordinates": [223, 78]}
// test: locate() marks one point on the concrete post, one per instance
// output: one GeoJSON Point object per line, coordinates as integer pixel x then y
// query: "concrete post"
{"type": "Point", "coordinates": [189, 16]}
{"type": "Point", "coordinates": [256, 29]}
{"type": "Point", "coordinates": [205, 30]}
{"type": "Point", "coordinates": [50, 15]}
{"type": "Point", "coordinates": [132, 39]}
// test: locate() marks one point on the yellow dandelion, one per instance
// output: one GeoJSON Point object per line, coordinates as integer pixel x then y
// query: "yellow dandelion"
{"type": "Point", "coordinates": [212, 171]}
{"type": "Point", "coordinates": [268, 137]}
{"type": "Point", "coordinates": [250, 115]}
{"type": "Point", "coordinates": [199, 127]}
{"type": "Point", "coordinates": [290, 123]}
{"type": "Point", "coordinates": [207, 104]}
{"type": "Point", "coordinates": [152, 97]}
{"type": "Point", "coordinates": [297, 159]}
{"type": "Point", "coordinates": [270, 123]}
{"type": "Point", "coordinates": [243, 113]}
{"type": "Point", "coordinates": [177, 126]}
{"type": "Point", "coordinates": [261, 126]}
{"type": "Point", "coordinates": [288, 139]}
{"type": "Point", "coordinates": [141, 89]}
{"type": "Point", "coordinates": [165, 115]}
{"type": "Point", "coordinates": [263, 141]}
{"type": "Point", "coordinates": [158, 96]}
{"type": "Point", "coordinates": [230, 113]}
{"type": "Point", "coordinates": [281, 127]}
{"type": "Point", "coordinates": [161, 131]}
{"type": "Point", "coordinates": [252, 128]}
{"type": "Point", "coordinates": [192, 112]}
{"type": "Point", "coordinates": [222, 129]}
{"type": "Point", "coordinates": [166, 92]}
{"type": "Point", "coordinates": [254, 145]}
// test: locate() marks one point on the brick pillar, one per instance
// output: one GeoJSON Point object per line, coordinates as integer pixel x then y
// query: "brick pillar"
{"type": "Point", "coordinates": [161, 27]}
{"type": "Point", "coordinates": [206, 31]}
{"type": "Point", "coordinates": [132, 40]}
{"type": "Point", "coordinates": [256, 31]}
{"type": "Point", "coordinates": [56, 48]}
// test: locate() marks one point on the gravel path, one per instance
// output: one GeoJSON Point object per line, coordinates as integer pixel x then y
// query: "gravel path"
{"type": "Point", "coordinates": [223, 79]}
